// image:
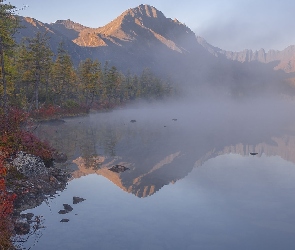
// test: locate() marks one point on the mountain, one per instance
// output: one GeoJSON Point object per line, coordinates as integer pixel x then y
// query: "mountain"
{"type": "Point", "coordinates": [139, 38]}
{"type": "Point", "coordinates": [31, 26]}
{"type": "Point", "coordinates": [143, 37]}
{"type": "Point", "coordinates": [284, 60]}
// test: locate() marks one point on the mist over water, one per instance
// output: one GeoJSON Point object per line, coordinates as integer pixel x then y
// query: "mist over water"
{"type": "Point", "coordinates": [196, 125]}
{"type": "Point", "coordinates": [189, 161]}
{"type": "Point", "coordinates": [212, 115]}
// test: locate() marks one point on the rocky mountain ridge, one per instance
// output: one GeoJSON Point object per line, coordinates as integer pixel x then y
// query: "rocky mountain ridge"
{"type": "Point", "coordinates": [141, 33]}
{"type": "Point", "coordinates": [285, 59]}
{"type": "Point", "coordinates": [143, 37]}
{"type": "Point", "coordinates": [147, 26]}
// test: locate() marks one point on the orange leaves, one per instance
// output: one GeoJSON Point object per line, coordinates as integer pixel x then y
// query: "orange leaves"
{"type": "Point", "coordinates": [3, 171]}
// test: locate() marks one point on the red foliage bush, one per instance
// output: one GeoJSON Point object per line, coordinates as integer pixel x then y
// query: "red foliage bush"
{"type": "Point", "coordinates": [6, 209]}
{"type": "Point", "coordinates": [46, 112]}
{"type": "Point", "coordinates": [13, 138]}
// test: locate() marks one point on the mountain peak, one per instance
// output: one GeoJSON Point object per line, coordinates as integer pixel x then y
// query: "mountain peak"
{"type": "Point", "coordinates": [140, 25]}
{"type": "Point", "coordinates": [69, 24]}
{"type": "Point", "coordinates": [145, 10]}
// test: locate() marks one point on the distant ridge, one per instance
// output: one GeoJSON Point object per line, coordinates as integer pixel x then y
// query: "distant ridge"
{"type": "Point", "coordinates": [285, 58]}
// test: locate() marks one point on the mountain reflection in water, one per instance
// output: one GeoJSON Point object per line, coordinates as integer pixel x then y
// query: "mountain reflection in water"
{"type": "Point", "coordinates": [222, 197]}
{"type": "Point", "coordinates": [160, 149]}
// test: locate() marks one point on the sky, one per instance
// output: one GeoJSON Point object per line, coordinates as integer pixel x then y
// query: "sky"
{"type": "Point", "coordinates": [232, 25]}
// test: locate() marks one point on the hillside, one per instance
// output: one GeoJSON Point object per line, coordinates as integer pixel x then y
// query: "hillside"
{"type": "Point", "coordinates": [143, 37]}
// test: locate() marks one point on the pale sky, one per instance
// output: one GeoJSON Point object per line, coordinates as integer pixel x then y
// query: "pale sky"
{"type": "Point", "coordinates": [228, 24]}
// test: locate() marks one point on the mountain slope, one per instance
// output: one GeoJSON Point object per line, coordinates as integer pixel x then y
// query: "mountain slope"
{"type": "Point", "coordinates": [140, 37]}
{"type": "Point", "coordinates": [143, 37]}
{"type": "Point", "coordinates": [56, 35]}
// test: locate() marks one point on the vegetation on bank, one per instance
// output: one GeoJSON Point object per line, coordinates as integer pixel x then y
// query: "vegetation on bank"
{"type": "Point", "coordinates": [35, 78]}
{"type": "Point", "coordinates": [36, 83]}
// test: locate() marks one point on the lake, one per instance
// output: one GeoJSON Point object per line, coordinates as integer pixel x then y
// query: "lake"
{"type": "Point", "coordinates": [183, 178]}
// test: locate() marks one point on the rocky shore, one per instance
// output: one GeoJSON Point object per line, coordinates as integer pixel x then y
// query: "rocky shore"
{"type": "Point", "coordinates": [32, 181]}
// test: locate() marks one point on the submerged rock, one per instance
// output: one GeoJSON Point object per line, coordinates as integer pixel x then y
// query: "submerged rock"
{"type": "Point", "coordinates": [22, 227]}
{"type": "Point", "coordinates": [65, 220]}
{"type": "Point", "coordinates": [118, 168]}
{"type": "Point", "coordinates": [63, 211]}
{"type": "Point", "coordinates": [28, 216]}
{"type": "Point", "coordinates": [133, 121]}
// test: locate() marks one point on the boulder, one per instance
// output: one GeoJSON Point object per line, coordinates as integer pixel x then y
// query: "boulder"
{"type": "Point", "coordinates": [77, 200]}
{"type": "Point", "coordinates": [29, 165]}
{"type": "Point", "coordinates": [68, 207]}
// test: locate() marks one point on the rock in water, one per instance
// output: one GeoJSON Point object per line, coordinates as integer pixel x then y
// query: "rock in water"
{"type": "Point", "coordinates": [253, 153]}
{"type": "Point", "coordinates": [63, 211]}
{"type": "Point", "coordinates": [65, 220]}
{"type": "Point", "coordinates": [77, 200]}
{"type": "Point", "coordinates": [22, 228]}
{"type": "Point", "coordinates": [68, 207]}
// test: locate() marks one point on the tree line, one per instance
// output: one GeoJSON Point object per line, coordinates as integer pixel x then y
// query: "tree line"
{"type": "Point", "coordinates": [32, 76]}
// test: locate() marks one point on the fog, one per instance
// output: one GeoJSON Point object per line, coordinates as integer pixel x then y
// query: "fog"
{"type": "Point", "coordinates": [247, 116]}
{"type": "Point", "coordinates": [174, 135]}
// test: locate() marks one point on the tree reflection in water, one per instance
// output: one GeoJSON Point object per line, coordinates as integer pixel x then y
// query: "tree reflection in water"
{"type": "Point", "coordinates": [28, 228]}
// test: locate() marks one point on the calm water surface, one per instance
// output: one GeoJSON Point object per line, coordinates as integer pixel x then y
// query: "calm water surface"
{"type": "Point", "coordinates": [191, 183]}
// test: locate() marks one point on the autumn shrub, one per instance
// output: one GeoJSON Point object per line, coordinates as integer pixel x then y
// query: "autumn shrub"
{"type": "Point", "coordinates": [46, 112]}
{"type": "Point", "coordinates": [14, 138]}
{"type": "Point", "coordinates": [6, 210]}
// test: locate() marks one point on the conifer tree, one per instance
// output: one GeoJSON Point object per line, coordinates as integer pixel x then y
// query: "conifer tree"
{"type": "Point", "coordinates": [40, 58]}
{"type": "Point", "coordinates": [63, 76]}
{"type": "Point", "coordinates": [90, 75]}
{"type": "Point", "coordinates": [8, 26]}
